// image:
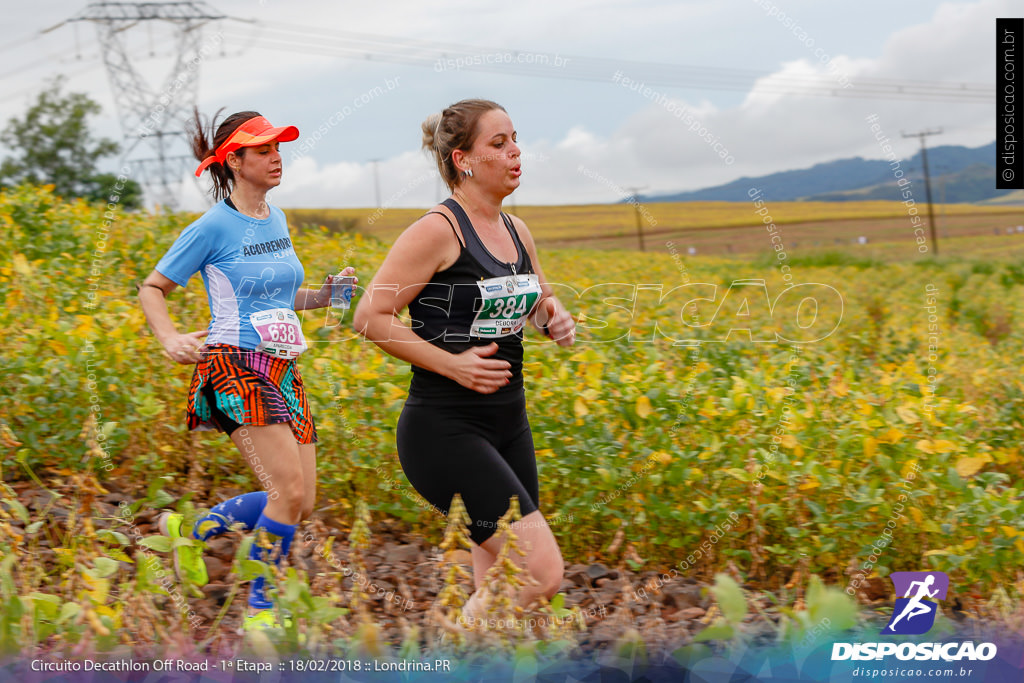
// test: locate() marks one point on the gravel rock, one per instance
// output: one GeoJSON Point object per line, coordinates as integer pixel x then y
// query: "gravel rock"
{"type": "Point", "coordinates": [402, 553]}
{"type": "Point", "coordinates": [216, 591]}
{"type": "Point", "coordinates": [221, 547]}
{"type": "Point", "coordinates": [597, 571]}
{"type": "Point", "coordinates": [690, 613]}
{"type": "Point", "coordinates": [216, 569]}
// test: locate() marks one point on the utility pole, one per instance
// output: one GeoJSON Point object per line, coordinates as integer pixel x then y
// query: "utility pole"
{"type": "Point", "coordinates": [927, 181]}
{"type": "Point", "coordinates": [635, 200]}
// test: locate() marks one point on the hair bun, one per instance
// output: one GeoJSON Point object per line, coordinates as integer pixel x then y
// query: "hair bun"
{"type": "Point", "coordinates": [430, 126]}
{"type": "Point", "coordinates": [454, 128]}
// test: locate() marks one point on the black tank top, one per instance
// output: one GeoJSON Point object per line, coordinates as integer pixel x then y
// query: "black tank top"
{"type": "Point", "coordinates": [444, 310]}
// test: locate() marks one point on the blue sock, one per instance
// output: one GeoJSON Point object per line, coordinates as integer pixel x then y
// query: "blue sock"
{"type": "Point", "coordinates": [281, 538]}
{"type": "Point", "coordinates": [245, 509]}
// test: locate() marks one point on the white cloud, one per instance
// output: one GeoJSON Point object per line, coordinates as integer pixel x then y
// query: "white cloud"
{"type": "Point", "coordinates": [766, 132]}
{"type": "Point", "coordinates": [627, 139]}
{"type": "Point", "coordinates": [406, 180]}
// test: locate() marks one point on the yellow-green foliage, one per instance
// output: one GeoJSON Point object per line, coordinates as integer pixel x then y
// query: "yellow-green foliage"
{"type": "Point", "coordinates": [635, 430]}
{"type": "Point", "coordinates": [593, 223]}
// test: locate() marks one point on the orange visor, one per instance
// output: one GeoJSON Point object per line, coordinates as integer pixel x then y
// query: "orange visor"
{"type": "Point", "coordinates": [253, 133]}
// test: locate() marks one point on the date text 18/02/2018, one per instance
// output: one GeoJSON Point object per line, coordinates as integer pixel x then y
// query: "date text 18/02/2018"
{"type": "Point", "coordinates": [365, 665]}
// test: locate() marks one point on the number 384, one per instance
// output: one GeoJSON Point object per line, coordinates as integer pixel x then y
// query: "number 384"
{"type": "Point", "coordinates": [511, 307]}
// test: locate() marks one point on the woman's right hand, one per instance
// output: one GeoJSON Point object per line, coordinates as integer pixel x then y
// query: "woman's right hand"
{"type": "Point", "coordinates": [185, 348]}
{"type": "Point", "coordinates": [474, 369]}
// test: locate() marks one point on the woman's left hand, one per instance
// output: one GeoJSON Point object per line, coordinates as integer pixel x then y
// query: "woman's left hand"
{"type": "Point", "coordinates": [323, 295]}
{"type": "Point", "coordinates": [561, 326]}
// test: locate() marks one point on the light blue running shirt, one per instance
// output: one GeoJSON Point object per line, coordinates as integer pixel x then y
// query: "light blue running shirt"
{"type": "Point", "coordinates": [248, 265]}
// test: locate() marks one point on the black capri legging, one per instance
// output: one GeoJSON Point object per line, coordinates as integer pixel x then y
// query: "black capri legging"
{"type": "Point", "coordinates": [483, 451]}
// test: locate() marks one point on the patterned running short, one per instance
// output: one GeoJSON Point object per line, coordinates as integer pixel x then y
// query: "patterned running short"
{"type": "Point", "coordinates": [233, 387]}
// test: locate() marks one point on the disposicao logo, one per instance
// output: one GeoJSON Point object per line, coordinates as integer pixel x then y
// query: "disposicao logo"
{"type": "Point", "coordinates": [914, 614]}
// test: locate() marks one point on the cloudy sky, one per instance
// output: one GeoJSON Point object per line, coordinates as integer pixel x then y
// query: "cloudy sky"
{"type": "Point", "coordinates": [662, 95]}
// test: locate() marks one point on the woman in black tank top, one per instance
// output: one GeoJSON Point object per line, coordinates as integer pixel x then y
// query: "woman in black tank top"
{"type": "Point", "coordinates": [470, 277]}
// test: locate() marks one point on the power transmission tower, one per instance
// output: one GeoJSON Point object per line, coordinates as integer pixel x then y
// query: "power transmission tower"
{"type": "Point", "coordinates": [927, 181]}
{"type": "Point", "coordinates": [153, 116]}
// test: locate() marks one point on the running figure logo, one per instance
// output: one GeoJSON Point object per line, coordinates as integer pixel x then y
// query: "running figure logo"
{"type": "Point", "coordinates": [914, 613]}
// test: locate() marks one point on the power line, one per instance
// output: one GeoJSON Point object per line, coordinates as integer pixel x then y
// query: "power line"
{"type": "Point", "coordinates": [445, 56]}
{"type": "Point", "coordinates": [442, 56]}
{"type": "Point", "coordinates": [42, 61]}
{"type": "Point", "coordinates": [18, 43]}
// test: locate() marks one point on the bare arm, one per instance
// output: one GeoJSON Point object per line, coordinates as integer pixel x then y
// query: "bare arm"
{"type": "Point", "coordinates": [181, 348]}
{"type": "Point", "coordinates": [306, 299]}
{"type": "Point", "coordinates": [549, 312]}
{"type": "Point", "coordinates": [425, 248]}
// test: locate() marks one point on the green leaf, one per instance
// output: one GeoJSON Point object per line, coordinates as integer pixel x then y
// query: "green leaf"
{"type": "Point", "coordinates": [6, 579]}
{"type": "Point", "coordinates": [719, 630]}
{"type": "Point", "coordinates": [146, 567]}
{"type": "Point", "coordinates": [689, 655]}
{"type": "Point", "coordinates": [730, 598]}
{"type": "Point", "coordinates": [15, 609]}
{"type": "Point", "coordinates": [46, 605]}
{"type": "Point", "coordinates": [119, 555]}
{"type": "Point", "coordinates": [740, 474]}
{"type": "Point", "coordinates": [69, 610]}
{"type": "Point", "coordinates": [836, 606]}
{"type": "Point", "coordinates": [250, 569]}
{"type": "Point", "coordinates": [162, 499]}
{"type": "Point", "coordinates": [815, 590]}
{"type": "Point", "coordinates": [155, 495]}
{"type": "Point", "coordinates": [292, 589]}
{"type": "Point", "coordinates": [18, 509]}
{"type": "Point", "coordinates": [161, 544]}
{"type": "Point", "coordinates": [105, 567]}
{"type": "Point", "coordinates": [107, 429]}
{"type": "Point", "coordinates": [525, 665]}
{"type": "Point", "coordinates": [326, 615]}
{"type": "Point", "coordinates": [630, 646]}
{"type": "Point", "coordinates": [242, 552]}
{"type": "Point", "coordinates": [115, 536]}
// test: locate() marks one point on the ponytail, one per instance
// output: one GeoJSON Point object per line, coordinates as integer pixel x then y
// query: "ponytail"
{"type": "Point", "coordinates": [205, 146]}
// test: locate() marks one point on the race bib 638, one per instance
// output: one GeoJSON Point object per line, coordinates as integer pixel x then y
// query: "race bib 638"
{"type": "Point", "coordinates": [279, 331]}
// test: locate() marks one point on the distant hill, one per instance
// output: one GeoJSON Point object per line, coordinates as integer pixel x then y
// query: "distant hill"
{"type": "Point", "coordinates": [958, 174]}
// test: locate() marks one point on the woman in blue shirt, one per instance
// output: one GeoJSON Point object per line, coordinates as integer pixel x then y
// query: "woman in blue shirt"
{"type": "Point", "coordinates": [246, 382]}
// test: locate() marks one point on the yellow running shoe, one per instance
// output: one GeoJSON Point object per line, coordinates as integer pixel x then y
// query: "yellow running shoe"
{"type": "Point", "coordinates": [188, 560]}
{"type": "Point", "coordinates": [264, 620]}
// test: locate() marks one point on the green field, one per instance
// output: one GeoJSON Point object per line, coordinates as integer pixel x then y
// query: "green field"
{"type": "Point", "coordinates": [792, 457]}
{"type": "Point", "coordinates": [721, 228]}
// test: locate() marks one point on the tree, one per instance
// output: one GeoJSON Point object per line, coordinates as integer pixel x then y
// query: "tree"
{"type": "Point", "coordinates": [52, 144]}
